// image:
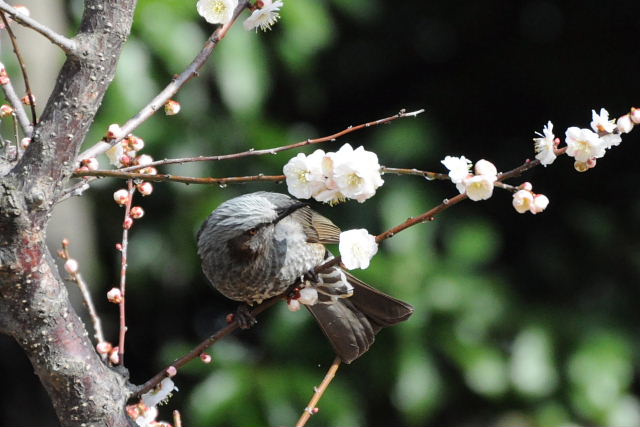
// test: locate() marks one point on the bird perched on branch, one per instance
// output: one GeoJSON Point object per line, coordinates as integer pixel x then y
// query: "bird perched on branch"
{"type": "Point", "coordinates": [258, 245]}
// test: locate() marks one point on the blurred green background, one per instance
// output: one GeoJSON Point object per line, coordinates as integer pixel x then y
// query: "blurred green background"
{"type": "Point", "coordinates": [520, 319]}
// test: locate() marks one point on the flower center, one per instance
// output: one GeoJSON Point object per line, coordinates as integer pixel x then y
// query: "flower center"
{"type": "Point", "coordinates": [303, 176]}
{"type": "Point", "coordinates": [219, 7]}
{"type": "Point", "coordinates": [354, 180]}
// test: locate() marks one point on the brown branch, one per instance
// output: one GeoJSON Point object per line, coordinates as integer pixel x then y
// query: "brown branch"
{"type": "Point", "coordinates": [23, 68]}
{"type": "Point", "coordinates": [319, 391]}
{"type": "Point", "coordinates": [173, 178]}
{"type": "Point", "coordinates": [123, 271]}
{"type": "Point", "coordinates": [275, 150]}
{"type": "Point", "coordinates": [172, 88]}
{"type": "Point", "coordinates": [18, 107]}
{"type": "Point", "coordinates": [68, 45]}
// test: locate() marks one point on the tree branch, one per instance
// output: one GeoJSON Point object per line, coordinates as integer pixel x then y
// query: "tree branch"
{"type": "Point", "coordinates": [68, 45]}
{"type": "Point", "coordinates": [18, 108]}
{"type": "Point", "coordinates": [171, 89]}
{"type": "Point", "coordinates": [318, 392]}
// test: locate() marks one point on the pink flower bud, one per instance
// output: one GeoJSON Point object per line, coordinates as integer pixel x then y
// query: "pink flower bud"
{"type": "Point", "coordinates": [24, 143]}
{"type": "Point", "coordinates": [624, 123]}
{"type": "Point", "coordinates": [171, 108]}
{"type": "Point", "coordinates": [205, 358]}
{"type": "Point", "coordinates": [91, 163]}
{"type": "Point", "coordinates": [5, 110]}
{"type": "Point", "coordinates": [526, 186]}
{"type": "Point", "coordinates": [4, 77]}
{"type": "Point", "coordinates": [171, 371]}
{"type": "Point", "coordinates": [149, 171]}
{"type": "Point", "coordinates": [136, 212]}
{"type": "Point", "coordinates": [114, 296]}
{"type": "Point", "coordinates": [114, 131]}
{"type": "Point", "coordinates": [103, 347]}
{"type": "Point", "coordinates": [121, 196]}
{"type": "Point", "coordinates": [118, 246]}
{"type": "Point", "coordinates": [26, 100]}
{"type": "Point", "coordinates": [635, 115]}
{"type": "Point", "coordinates": [114, 357]}
{"type": "Point", "coordinates": [71, 266]}
{"type": "Point", "coordinates": [125, 160]}
{"type": "Point", "coordinates": [127, 223]}
{"type": "Point", "coordinates": [294, 305]}
{"type": "Point", "coordinates": [591, 163]}
{"type": "Point", "coordinates": [485, 167]}
{"type": "Point", "coordinates": [145, 188]}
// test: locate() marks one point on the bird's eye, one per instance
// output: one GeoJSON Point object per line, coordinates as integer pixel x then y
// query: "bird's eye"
{"type": "Point", "coordinates": [252, 232]}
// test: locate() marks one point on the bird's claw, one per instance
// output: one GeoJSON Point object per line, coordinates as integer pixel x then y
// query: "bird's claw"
{"type": "Point", "coordinates": [243, 317]}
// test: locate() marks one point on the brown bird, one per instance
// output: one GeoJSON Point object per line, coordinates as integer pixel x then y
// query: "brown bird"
{"type": "Point", "coordinates": [256, 246]}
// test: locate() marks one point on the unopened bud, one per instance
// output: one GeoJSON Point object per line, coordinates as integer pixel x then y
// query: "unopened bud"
{"type": "Point", "coordinates": [526, 186]}
{"type": "Point", "coordinates": [114, 357]}
{"type": "Point", "coordinates": [171, 371]}
{"type": "Point", "coordinates": [135, 143]}
{"type": "Point", "coordinates": [103, 347]}
{"type": "Point", "coordinates": [624, 123]}
{"type": "Point", "coordinates": [118, 246]}
{"type": "Point", "coordinates": [591, 163]}
{"type": "Point", "coordinates": [71, 266]}
{"type": "Point", "coordinates": [25, 142]}
{"type": "Point", "coordinates": [136, 212]}
{"type": "Point", "coordinates": [293, 305]}
{"type": "Point", "coordinates": [4, 77]}
{"type": "Point", "coordinates": [149, 171]}
{"type": "Point", "coordinates": [127, 223]}
{"type": "Point", "coordinates": [28, 99]}
{"type": "Point", "coordinates": [485, 167]}
{"type": "Point", "coordinates": [125, 160]}
{"type": "Point", "coordinates": [540, 203]}
{"type": "Point", "coordinates": [114, 296]}
{"type": "Point", "coordinates": [635, 115]}
{"type": "Point", "coordinates": [206, 358]}
{"type": "Point", "coordinates": [5, 110]}
{"type": "Point", "coordinates": [145, 188]}
{"type": "Point", "coordinates": [171, 108]}
{"type": "Point", "coordinates": [121, 196]}
{"type": "Point", "coordinates": [91, 163]}
{"type": "Point", "coordinates": [114, 131]}
{"type": "Point", "coordinates": [144, 160]}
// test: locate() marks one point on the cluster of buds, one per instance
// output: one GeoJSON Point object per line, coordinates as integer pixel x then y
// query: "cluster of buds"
{"type": "Point", "coordinates": [106, 349]}
{"type": "Point", "coordinates": [478, 185]}
{"type": "Point", "coordinates": [4, 77]}
{"type": "Point", "coordinates": [6, 110]}
{"type": "Point", "coordinates": [334, 177]}
{"type": "Point", "coordinates": [89, 164]}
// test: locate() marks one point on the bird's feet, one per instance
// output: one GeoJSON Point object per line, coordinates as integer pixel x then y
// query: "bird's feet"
{"type": "Point", "coordinates": [243, 317]}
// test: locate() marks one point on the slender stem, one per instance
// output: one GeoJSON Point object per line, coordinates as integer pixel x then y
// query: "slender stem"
{"type": "Point", "coordinates": [173, 178]}
{"type": "Point", "coordinates": [426, 174]}
{"type": "Point", "coordinates": [171, 89]}
{"type": "Point", "coordinates": [200, 348]}
{"type": "Point", "coordinates": [275, 150]}
{"type": "Point", "coordinates": [123, 273]}
{"type": "Point", "coordinates": [319, 391]}
{"type": "Point", "coordinates": [18, 108]}
{"type": "Point", "coordinates": [68, 45]}
{"type": "Point", "coordinates": [23, 68]}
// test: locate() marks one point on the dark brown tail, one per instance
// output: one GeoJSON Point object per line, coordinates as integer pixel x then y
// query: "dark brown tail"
{"type": "Point", "coordinates": [352, 323]}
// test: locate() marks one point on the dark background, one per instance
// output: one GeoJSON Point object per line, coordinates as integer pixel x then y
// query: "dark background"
{"type": "Point", "coordinates": [520, 319]}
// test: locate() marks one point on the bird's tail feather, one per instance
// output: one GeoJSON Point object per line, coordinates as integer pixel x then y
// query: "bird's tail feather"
{"type": "Point", "coordinates": [350, 321]}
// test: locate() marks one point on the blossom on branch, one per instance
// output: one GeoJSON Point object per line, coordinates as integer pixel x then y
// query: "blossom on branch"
{"type": "Point", "coordinates": [216, 11]}
{"type": "Point", "coordinates": [583, 144]}
{"type": "Point", "coordinates": [545, 145]}
{"type": "Point", "coordinates": [304, 174]}
{"type": "Point", "coordinates": [459, 168]}
{"type": "Point", "coordinates": [357, 247]}
{"type": "Point", "coordinates": [264, 17]}
{"type": "Point", "coordinates": [356, 172]}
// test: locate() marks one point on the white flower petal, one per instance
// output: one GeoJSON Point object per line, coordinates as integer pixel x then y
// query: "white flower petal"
{"type": "Point", "coordinates": [216, 11]}
{"type": "Point", "coordinates": [357, 247]}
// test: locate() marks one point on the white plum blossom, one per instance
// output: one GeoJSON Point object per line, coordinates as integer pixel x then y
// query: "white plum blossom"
{"type": "Point", "coordinates": [459, 167]}
{"type": "Point", "coordinates": [159, 393]}
{"type": "Point", "coordinates": [600, 123]}
{"type": "Point", "coordinates": [115, 153]}
{"type": "Point", "coordinates": [265, 17]}
{"type": "Point", "coordinates": [304, 174]}
{"type": "Point", "coordinates": [356, 172]}
{"type": "Point", "coordinates": [583, 144]}
{"type": "Point", "coordinates": [148, 417]}
{"type": "Point", "coordinates": [357, 247]}
{"type": "Point", "coordinates": [216, 11]}
{"type": "Point", "coordinates": [479, 187]}
{"type": "Point", "coordinates": [545, 145]}
{"type": "Point", "coordinates": [522, 201]}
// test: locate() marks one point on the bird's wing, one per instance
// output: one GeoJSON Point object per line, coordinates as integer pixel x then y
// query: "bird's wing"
{"type": "Point", "coordinates": [317, 228]}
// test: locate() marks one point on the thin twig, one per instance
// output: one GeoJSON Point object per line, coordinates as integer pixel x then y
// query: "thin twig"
{"type": "Point", "coordinates": [425, 174]}
{"type": "Point", "coordinates": [18, 108]}
{"type": "Point", "coordinates": [86, 295]}
{"type": "Point", "coordinates": [200, 348]}
{"type": "Point", "coordinates": [174, 178]}
{"type": "Point", "coordinates": [275, 150]}
{"type": "Point", "coordinates": [23, 68]}
{"type": "Point", "coordinates": [171, 89]}
{"type": "Point", "coordinates": [67, 45]}
{"type": "Point", "coordinates": [123, 273]}
{"type": "Point", "coordinates": [318, 392]}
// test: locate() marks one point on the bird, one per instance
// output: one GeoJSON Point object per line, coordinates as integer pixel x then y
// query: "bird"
{"type": "Point", "coordinates": [258, 245]}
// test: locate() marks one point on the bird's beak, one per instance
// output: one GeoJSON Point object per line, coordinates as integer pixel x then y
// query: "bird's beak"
{"type": "Point", "coordinates": [285, 212]}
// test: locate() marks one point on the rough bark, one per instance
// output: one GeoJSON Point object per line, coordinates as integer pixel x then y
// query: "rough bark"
{"type": "Point", "coordinates": [34, 307]}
